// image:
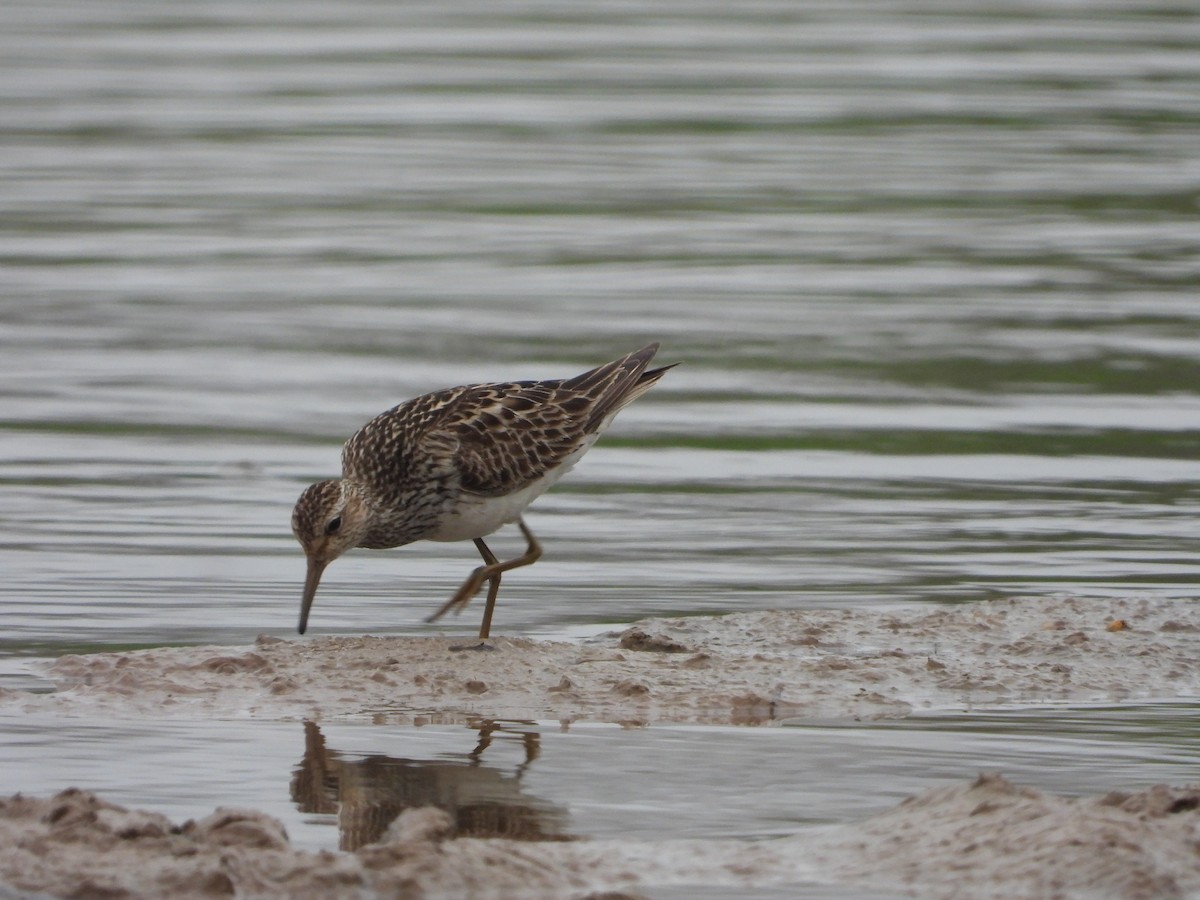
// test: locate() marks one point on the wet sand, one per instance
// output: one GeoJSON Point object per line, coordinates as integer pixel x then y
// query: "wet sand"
{"type": "Point", "coordinates": [987, 838]}
{"type": "Point", "coordinates": [745, 668]}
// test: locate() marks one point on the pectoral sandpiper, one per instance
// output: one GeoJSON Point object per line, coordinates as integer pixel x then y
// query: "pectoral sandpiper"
{"type": "Point", "coordinates": [458, 464]}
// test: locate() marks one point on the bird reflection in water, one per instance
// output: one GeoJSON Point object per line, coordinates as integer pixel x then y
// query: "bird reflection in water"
{"type": "Point", "coordinates": [368, 792]}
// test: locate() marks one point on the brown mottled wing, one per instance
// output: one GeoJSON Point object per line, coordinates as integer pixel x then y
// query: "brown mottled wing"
{"type": "Point", "coordinates": [510, 435]}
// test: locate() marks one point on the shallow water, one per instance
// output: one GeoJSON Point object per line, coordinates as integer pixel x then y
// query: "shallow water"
{"type": "Point", "coordinates": [540, 781]}
{"type": "Point", "coordinates": [930, 268]}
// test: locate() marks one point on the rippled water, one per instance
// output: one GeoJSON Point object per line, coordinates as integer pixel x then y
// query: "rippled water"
{"type": "Point", "coordinates": [930, 269]}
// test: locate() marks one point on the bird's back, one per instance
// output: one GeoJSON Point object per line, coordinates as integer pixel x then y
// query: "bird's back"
{"type": "Point", "coordinates": [421, 458]}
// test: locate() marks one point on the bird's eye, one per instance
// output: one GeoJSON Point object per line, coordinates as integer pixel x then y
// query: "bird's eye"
{"type": "Point", "coordinates": [334, 524]}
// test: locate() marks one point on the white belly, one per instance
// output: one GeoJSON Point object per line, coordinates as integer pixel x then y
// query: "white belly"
{"type": "Point", "coordinates": [476, 516]}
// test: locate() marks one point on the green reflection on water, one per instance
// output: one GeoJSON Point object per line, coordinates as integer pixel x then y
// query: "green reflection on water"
{"type": "Point", "coordinates": [937, 442]}
{"type": "Point", "coordinates": [1126, 373]}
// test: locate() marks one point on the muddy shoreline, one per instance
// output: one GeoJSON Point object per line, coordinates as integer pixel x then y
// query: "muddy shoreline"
{"type": "Point", "coordinates": [744, 668]}
{"type": "Point", "coordinates": [988, 838]}
{"type": "Point", "coordinates": [984, 838]}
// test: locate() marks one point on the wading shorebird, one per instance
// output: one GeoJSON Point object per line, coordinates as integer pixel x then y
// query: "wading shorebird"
{"type": "Point", "coordinates": [458, 464]}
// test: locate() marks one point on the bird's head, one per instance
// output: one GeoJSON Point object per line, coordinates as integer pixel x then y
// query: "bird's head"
{"type": "Point", "coordinates": [328, 520]}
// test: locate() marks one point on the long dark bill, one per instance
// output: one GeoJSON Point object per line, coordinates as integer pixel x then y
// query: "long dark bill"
{"type": "Point", "coordinates": [315, 568]}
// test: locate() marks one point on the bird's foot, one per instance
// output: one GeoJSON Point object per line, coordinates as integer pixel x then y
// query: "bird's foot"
{"type": "Point", "coordinates": [455, 604]}
{"type": "Point", "coordinates": [482, 645]}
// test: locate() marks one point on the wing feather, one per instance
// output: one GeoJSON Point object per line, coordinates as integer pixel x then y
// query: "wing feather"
{"type": "Point", "coordinates": [498, 438]}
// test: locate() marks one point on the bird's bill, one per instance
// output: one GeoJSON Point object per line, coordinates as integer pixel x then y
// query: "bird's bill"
{"type": "Point", "coordinates": [315, 568]}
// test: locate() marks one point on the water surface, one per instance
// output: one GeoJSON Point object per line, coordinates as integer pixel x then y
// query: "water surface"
{"type": "Point", "coordinates": [329, 783]}
{"type": "Point", "coordinates": [929, 266]}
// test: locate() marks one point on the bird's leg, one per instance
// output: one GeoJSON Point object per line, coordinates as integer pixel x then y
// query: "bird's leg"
{"type": "Point", "coordinates": [493, 588]}
{"type": "Point", "coordinates": [471, 586]}
{"type": "Point", "coordinates": [489, 572]}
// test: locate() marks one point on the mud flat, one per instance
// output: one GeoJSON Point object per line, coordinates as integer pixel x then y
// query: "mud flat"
{"type": "Point", "coordinates": [985, 839]}
{"type": "Point", "coordinates": [750, 668]}
{"type": "Point", "coordinates": [988, 838]}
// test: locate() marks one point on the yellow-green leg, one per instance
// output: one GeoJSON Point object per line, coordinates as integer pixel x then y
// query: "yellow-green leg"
{"type": "Point", "coordinates": [490, 572]}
